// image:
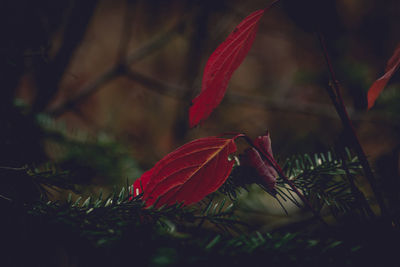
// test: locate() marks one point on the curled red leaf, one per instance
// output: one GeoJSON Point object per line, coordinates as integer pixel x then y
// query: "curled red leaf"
{"type": "Point", "coordinates": [263, 143]}
{"type": "Point", "coordinates": [377, 87]}
{"type": "Point", "coordinates": [264, 169]}
{"type": "Point", "coordinates": [189, 173]}
{"type": "Point", "coordinates": [221, 65]}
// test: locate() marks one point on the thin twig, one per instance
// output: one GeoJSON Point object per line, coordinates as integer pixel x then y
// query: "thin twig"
{"type": "Point", "coordinates": [156, 85]}
{"type": "Point", "coordinates": [305, 108]}
{"type": "Point", "coordinates": [337, 100]}
{"type": "Point", "coordinates": [284, 105]}
{"type": "Point", "coordinates": [311, 109]}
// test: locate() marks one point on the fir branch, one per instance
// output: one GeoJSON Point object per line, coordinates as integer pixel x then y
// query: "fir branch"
{"type": "Point", "coordinates": [121, 225]}
{"type": "Point", "coordinates": [322, 178]}
{"type": "Point", "coordinates": [103, 220]}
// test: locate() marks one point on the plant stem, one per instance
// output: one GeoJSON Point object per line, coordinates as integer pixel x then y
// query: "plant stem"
{"type": "Point", "coordinates": [337, 100]}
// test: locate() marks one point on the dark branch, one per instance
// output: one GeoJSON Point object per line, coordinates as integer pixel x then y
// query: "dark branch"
{"type": "Point", "coordinates": [335, 95]}
{"type": "Point", "coordinates": [113, 72]}
{"type": "Point", "coordinates": [49, 77]}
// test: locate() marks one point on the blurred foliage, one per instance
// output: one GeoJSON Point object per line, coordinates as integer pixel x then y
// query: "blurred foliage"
{"type": "Point", "coordinates": [89, 156]}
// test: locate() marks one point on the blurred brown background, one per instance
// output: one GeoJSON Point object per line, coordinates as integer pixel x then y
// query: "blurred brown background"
{"type": "Point", "coordinates": [129, 69]}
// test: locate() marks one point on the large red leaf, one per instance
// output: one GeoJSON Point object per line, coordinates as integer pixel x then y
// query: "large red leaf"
{"type": "Point", "coordinates": [221, 65]}
{"type": "Point", "coordinates": [377, 87]}
{"type": "Point", "coordinates": [191, 172]}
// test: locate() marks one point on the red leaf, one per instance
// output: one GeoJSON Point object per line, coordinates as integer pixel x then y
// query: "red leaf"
{"type": "Point", "coordinates": [220, 67]}
{"type": "Point", "coordinates": [264, 143]}
{"type": "Point", "coordinates": [191, 172]}
{"type": "Point", "coordinates": [377, 87]}
{"type": "Point", "coordinates": [265, 171]}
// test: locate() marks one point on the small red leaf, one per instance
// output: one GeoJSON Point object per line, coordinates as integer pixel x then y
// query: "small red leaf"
{"type": "Point", "coordinates": [221, 65]}
{"type": "Point", "coordinates": [191, 172]}
{"type": "Point", "coordinates": [264, 143]}
{"type": "Point", "coordinates": [377, 87]}
{"type": "Point", "coordinates": [264, 169]}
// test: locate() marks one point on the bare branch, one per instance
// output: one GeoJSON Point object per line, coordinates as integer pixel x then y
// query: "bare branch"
{"type": "Point", "coordinates": [113, 72]}
{"type": "Point", "coordinates": [157, 86]}
{"type": "Point", "coordinates": [281, 105]}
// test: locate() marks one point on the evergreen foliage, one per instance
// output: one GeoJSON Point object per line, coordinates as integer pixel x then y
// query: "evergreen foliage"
{"type": "Point", "coordinates": [324, 178]}
{"type": "Point", "coordinates": [117, 229]}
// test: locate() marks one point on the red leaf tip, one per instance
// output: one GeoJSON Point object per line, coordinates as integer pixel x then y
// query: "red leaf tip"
{"type": "Point", "coordinates": [378, 86]}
